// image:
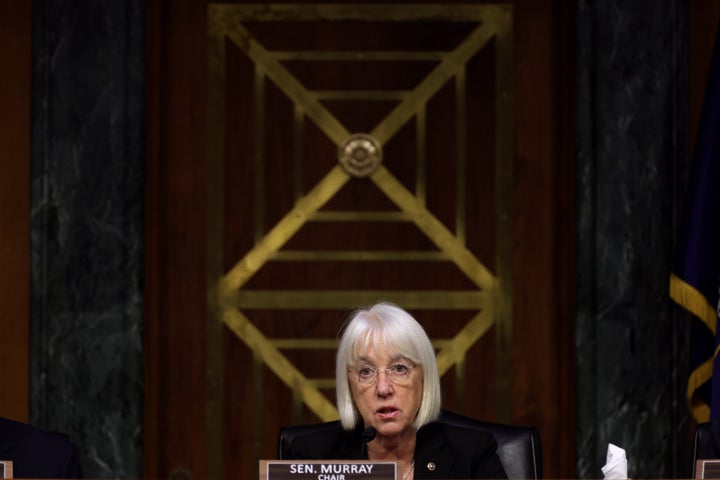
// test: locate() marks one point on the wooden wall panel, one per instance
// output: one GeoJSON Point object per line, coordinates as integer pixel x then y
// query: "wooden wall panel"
{"type": "Point", "coordinates": [543, 388]}
{"type": "Point", "coordinates": [544, 274]}
{"type": "Point", "coordinates": [15, 52]}
{"type": "Point", "coordinates": [704, 21]}
{"type": "Point", "coordinates": [175, 234]}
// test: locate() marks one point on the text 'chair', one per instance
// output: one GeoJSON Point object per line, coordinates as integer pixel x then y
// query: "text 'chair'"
{"type": "Point", "coordinates": [519, 448]}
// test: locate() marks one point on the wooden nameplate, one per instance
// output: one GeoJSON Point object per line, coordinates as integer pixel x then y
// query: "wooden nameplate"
{"type": "Point", "coordinates": [327, 470]}
{"type": "Point", "coordinates": [707, 469]}
{"type": "Point", "coordinates": [6, 469]}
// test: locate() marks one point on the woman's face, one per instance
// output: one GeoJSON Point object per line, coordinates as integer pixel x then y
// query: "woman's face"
{"type": "Point", "coordinates": [388, 401]}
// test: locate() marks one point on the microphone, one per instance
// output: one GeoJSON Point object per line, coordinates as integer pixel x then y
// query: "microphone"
{"type": "Point", "coordinates": [369, 434]}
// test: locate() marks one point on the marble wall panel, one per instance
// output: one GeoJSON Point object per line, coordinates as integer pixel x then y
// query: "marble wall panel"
{"type": "Point", "coordinates": [632, 149]}
{"type": "Point", "coordinates": [87, 228]}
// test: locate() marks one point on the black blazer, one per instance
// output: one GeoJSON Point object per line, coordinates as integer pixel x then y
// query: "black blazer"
{"type": "Point", "coordinates": [36, 453]}
{"type": "Point", "coordinates": [441, 450]}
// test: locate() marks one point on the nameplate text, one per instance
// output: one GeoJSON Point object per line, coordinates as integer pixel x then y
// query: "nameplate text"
{"type": "Point", "coordinates": [327, 470]}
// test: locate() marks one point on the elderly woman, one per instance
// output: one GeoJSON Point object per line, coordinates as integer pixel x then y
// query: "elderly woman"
{"type": "Point", "coordinates": [388, 395]}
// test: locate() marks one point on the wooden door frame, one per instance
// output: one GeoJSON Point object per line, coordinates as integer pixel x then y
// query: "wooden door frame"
{"type": "Point", "coordinates": [174, 342]}
{"type": "Point", "coordinates": [15, 128]}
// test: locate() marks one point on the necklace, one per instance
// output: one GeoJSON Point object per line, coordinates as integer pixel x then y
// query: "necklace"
{"type": "Point", "coordinates": [412, 466]}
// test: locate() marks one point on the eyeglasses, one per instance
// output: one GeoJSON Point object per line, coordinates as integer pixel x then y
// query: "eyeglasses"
{"type": "Point", "coordinates": [396, 373]}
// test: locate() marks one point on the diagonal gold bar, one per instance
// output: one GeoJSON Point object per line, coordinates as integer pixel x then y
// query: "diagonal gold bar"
{"type": "Point", "coordinates": [253, 338]}
{"type": "Point", "coordinates": [450, 65]}
{"type": "Point", "coordinates": [466, 338]}
{"type": "Point", "coordinates": [284, 80]}
{"type": "Point", "coordinates": [434, 229]}
{"type": "Point", "coordinates": [281, 232]}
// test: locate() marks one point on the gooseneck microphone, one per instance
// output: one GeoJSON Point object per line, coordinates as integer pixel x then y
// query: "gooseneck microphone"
{"type": "Point", "coordinates": [367, 436]}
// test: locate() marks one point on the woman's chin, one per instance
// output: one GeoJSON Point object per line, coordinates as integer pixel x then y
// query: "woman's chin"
{"type": "Point", "coordinates": [391, 430]}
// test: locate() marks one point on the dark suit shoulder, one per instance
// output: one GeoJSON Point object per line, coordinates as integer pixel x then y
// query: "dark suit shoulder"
{"type": "Point", "coordinates": [459, 435]}
{"type": "Point", "coordinates": [18, 433]}
{"type": "Point", "coordinates": [319, 442]}
{"type": "Point", "coordinates": [462, 452]}
{"type": "Point", "coordinates": [38, 453]}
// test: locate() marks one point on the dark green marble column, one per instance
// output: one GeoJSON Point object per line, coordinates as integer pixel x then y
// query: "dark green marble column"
{"type": "Point", "coordinates": [87, 228]}
{"type": "Point", "coordinates": [632, 152]}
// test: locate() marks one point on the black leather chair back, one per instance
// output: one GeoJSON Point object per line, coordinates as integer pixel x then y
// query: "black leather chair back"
{"type": "Point", "coordinates": [519, 448]}
{"type": "Point", "coordinates": [705, 446]}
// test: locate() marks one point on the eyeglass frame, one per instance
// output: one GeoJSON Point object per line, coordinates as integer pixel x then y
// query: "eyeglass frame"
{"type": "Point", "coordinates": [388, 373]}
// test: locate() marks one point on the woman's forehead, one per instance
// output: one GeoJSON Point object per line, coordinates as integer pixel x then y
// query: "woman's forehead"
{"type": "Point", "coordinates": [374, 351]}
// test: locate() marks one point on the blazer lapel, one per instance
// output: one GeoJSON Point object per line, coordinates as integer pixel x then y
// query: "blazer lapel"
{"type": "Point", "coordinates": [432, 459]}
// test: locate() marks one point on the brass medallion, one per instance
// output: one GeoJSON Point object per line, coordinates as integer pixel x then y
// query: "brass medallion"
{"type": "Point", "coordinates": [360, 155]}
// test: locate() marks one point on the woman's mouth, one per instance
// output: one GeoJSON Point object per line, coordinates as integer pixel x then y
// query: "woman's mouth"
{"type": "Point", "coordinates": [387, 413]}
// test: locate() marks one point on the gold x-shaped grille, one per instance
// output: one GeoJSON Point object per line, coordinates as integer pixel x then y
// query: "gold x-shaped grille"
{"type": "Point", "coordinates": [491, 295]}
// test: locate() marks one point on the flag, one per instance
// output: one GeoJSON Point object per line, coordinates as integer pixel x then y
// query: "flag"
{"type": "Point", "coordinates": [695, 278]}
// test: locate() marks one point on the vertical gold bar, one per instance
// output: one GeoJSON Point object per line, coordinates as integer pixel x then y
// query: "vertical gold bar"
{"type": "Point", "coordinates": [258, 187]}
{"type": "Point", "coordinates": [258, 376]}
{"type": "Point", "coordinates": [299, 124]}
{"type": "Point", "coordinates": [214, 247]}
{"type": "Point", "coordinates": [297, 404]}
{"type": "Point", "coordinates": [461, 146]}
{"type": "Point", "coordinates": [461, 387]}
{"type": "Point", "coordinates": [503, 182]}
{"type": "Point", "coordinates": [420, 133]}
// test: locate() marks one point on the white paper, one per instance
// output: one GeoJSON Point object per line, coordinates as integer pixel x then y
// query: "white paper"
{"type": "Point", "coordinates": [616, 463]}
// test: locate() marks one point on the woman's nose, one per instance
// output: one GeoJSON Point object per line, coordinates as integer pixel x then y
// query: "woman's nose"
{"type": "Point", "coordinates": [384, 385]}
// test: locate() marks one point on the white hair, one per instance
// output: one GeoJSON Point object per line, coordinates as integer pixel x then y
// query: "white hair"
{"type": "Point", "coordinates": [388, 324]}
